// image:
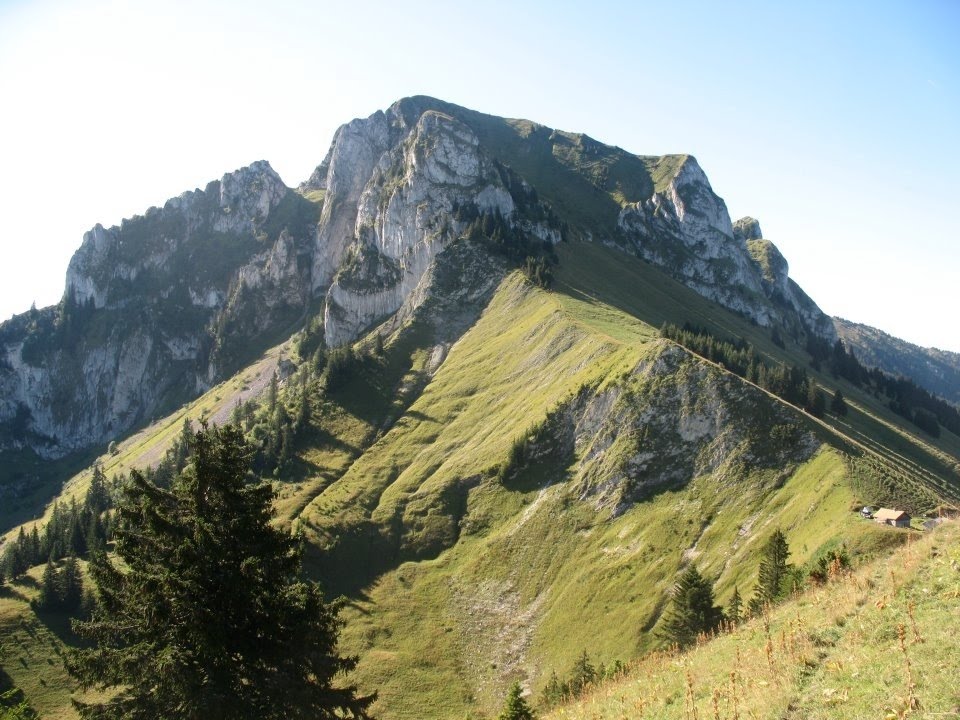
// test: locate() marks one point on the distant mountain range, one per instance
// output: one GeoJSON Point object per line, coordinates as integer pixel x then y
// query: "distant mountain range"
{"type": "Point", "coordinates": [936, 370]}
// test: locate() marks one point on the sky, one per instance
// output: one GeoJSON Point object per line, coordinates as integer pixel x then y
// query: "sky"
{"type": "Point", "coordinates": [836, 124]}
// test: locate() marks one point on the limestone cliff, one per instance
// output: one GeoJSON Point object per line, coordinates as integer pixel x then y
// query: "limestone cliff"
{"type": "Point", "coordinates": [150, 312]}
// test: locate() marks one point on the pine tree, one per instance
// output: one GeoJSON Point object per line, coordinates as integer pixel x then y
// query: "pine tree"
{"type": "Point", "coordinates": [207, 617]}
{"type": "Point", "coordinates": [838, 406]}
{"type": "Point", "coordinates": [582, 675]}
{"type": "Point", "coordinates": [691, 609]}
{"type": "Point", "coordinates": [774, 572]}
{"type": "Point", "coordinates": [70, 585]}
{"type": "Point", "coordinates": [98, 497]}
{"type": "Point", "coordinates": [735, 607]}
{"type": "Point", "coordinates": [553, 691]}
{"type": "Point", "coordinates": [516, 707]}
{"type": "Point", "coordinates": [816, 404]}
{"type": "Point", "coordinates": [49, 597]}
{"type": "Point", "coordinates": [35, 545]}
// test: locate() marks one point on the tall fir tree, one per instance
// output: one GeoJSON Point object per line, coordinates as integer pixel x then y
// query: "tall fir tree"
{"type": "Point", "coordinates": [735, 607]}
{"type": "Point", "coordinates": [207, 618]}
{"type": "Point", "coordinates": [691, 610]}
{"type": "Point", "coordinates": [838, 406]}
{"type": "Point", "coordinates": [582, 674]}
{"type": "Point", "coordinates": [774, 572]}
{"type": "Point", "coordinates": [49, 596]}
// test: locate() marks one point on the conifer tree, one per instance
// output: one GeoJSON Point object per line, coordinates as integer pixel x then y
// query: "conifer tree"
{"type": "Point", "coordinates": [691, 609]}
{"type": "Point", "coordinates": [838, 406]}
{"type": "Point", "coordinates": [48, 598]}
{"type": "Point", "coordinates": [207, 617]}
{"type": "Point", "coordinates": [816, 404]}
{"type": "Point", "coordinates": [553, 691]}
{"type": "Point", "coordinates": [774, 572]}
{"type": "Point", "coordinates": [583, 674]}
{"type": "Point", "coordinates": [516, 707]}
{"type": "Point", "coordinates": [735, 607]}
{"type": "Point", "coordinates": [70, 585]}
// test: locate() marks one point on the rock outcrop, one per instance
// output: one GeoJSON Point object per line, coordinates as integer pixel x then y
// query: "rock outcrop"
{"type": "Point", "coordinates": [391, 191]}
{"type": "Point", "coordinates": [159, 308]}
{"type": "Point", "coordinates": [154, 311]}
{"type": "Point", "coordinates": [685, 229]}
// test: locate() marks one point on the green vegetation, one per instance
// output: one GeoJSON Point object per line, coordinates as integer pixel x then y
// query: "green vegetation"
{"type": "Point", "coordinates": [491, 482]}
{"type": "Point", "coordinates": [774, 581]}
{"type": "Point", "coordinates": [208, 599]}
{"type": "Point", "coordinates": [882, 641]}
{"type": "Point", "coordinates": [691, 612]}
{"type": "Point", "coordinates": [516, 707]}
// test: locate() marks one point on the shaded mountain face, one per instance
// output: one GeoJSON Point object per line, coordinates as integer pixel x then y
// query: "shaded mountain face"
{"type": "Point", "coordinates": [161, 307]}
{"type": "Point", "coordinates": [936, 370]}
{"type": "Point", "coordinates": [155, 310]}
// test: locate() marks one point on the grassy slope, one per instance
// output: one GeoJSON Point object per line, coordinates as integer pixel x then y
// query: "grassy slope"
{"type": "Point", "coordinates": [531, 569]}
{"type": "Point", "coordinates": [833, 652]}
{"type": "Point", "coordinates": [461, 583]}
{"type": "Point", "coordinates": [34, 645]}
{"type": "Point", "coordinates": [533, 576]}
{"type": "Point", "coordinates": [598, 277]}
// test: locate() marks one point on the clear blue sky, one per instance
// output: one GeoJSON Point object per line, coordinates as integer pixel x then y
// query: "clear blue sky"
{"type": "Point", "coordinates": [836, 124]}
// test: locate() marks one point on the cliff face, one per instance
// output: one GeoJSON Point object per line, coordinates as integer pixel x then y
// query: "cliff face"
{"type": "Point", "coordinates": [164, 305]}
{"type": "Point", "coordinates": [684, 228]}
{"type": "Point", "coordinates": [393, 184]}
{"type": "Point", "coordinates": [150, 313]}
{"type": "Point", "coordinates": [393, 181]}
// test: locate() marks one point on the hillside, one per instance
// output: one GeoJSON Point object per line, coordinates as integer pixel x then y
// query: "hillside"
{"type": "Point", "coordinates": [936, 370]}
{"type": "Point", "coordinates": [883, 641]}
{"type": "Point", "coordinates": [476, 423]}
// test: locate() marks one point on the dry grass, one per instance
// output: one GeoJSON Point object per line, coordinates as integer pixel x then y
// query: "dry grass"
{"type": "Point", "coordinates": [883, 641]}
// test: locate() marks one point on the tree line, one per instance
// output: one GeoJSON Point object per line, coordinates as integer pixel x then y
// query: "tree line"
{"type": "Point", "coordinates": [535, 257]}
{"type": "Point", "coordinates": [790, 383]}
{"type": "Point", "coordinates": [74, 530]}
{"type": "Point", "coordinates": [904, 397]}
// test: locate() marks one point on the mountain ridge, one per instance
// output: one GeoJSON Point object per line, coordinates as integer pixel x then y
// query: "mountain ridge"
{"type": "Point", "coordinates": [506, 381]}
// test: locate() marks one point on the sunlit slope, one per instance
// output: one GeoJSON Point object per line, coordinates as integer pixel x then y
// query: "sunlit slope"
{"type": "Point", "coordinates": [471, 567]}
{"type": "Point", "coordinates": [594, 279]}
{"type": "Point", "coordinates": [406, 495]}
{"type": "Point", "coordinates": [494, 503]}
{"type": "Point", "coordinates": [883, 642]}
{"type": "Point", "coordinates": [443, 637]}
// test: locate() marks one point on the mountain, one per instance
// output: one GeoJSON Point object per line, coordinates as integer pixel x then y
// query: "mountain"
{"type": "Point", "coordinates": [936, 370]}
{"type": "Point", "coordinates": [522, 379]}
{"type": "Point", "coordinates": [168, 303]}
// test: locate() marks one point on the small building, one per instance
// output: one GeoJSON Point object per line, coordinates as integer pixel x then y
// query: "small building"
{"type": "Point", "coordinates": [897, 518]}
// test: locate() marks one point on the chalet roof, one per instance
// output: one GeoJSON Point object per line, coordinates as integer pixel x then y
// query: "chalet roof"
{"type": "Point", "coordinates": [888, 514]}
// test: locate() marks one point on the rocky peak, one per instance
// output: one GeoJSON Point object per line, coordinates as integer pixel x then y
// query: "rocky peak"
{"type": "Point", "coordinates": [794, 304]}
{"type": "Point", "coordinates": [249, 194]}
{"type": "Point", "coordinates": [747, 228]}
{"type": "Point", "coordinates": [149, 310]}
{"type": "Point", "coordinates": [392, 185]}
{"type": "Point", "coordinates": [684, 227]}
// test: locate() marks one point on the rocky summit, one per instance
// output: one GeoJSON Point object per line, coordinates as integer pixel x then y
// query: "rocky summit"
{"type": "Point", "coordinates": [158, 309]}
